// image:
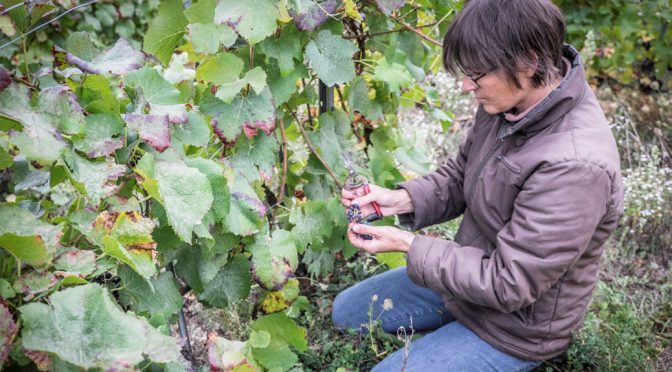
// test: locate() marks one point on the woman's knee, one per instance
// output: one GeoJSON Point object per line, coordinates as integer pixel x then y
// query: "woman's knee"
{"type": "Point", "coordinates": [346, 312]}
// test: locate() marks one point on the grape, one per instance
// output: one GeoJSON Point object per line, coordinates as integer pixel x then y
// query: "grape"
{"type": "Point", "coordinates": [354, 214]}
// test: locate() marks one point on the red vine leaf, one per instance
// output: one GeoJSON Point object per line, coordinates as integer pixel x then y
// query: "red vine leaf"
{"type": "Point", "coordinates": [153, 129]}
{"type": "Point", "coordinates": [7, 331]}
{"type": "Point", "coordinates": [5, 79]}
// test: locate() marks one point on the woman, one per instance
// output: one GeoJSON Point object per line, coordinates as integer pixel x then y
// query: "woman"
{"type": "Point", "coordinates": [538, 183]}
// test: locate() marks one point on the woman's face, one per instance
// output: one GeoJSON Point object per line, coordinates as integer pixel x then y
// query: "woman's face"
{"type": "Point", "coordinates": [498, 95]}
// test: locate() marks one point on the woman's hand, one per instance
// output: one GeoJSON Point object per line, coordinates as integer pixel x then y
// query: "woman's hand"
{"type": "Point", "coordinates": [384, 238]}
{"type": "Point", "coordinates": [391, 202]}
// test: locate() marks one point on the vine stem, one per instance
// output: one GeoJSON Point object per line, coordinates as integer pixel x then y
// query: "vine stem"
{"type": "Point", "coordinates": [312, 148]}
{"type": "Point", "coordinates": [25, 59]}
{"type": "Point", "coordinates": [340, 98]}
{"type": "Point", "coordinates": [310, 116]}
{"type": "Point", "coordinates": [281, 193]}
{"type": "Point", "coordinates": [351, 37]}
{"type": "Point", "coordinates": [416, 31]}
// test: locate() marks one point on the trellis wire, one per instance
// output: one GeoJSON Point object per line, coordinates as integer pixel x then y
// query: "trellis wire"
{"type": "Point", "coordinates": [42, 25]}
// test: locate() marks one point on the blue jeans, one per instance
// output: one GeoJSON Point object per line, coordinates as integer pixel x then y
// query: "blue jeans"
{"type": "Point", "coordinates": [449, 347]}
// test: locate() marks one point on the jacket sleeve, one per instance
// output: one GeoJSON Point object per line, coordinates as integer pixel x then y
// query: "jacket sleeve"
{"type": "Point", "coordinates": [554, 218]}
{"type": "Point", "coordinates": [438, 196]}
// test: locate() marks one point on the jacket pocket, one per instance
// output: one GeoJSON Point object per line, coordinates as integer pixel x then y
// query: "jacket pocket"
{"type": "Point", "coordinates": [507, 163]}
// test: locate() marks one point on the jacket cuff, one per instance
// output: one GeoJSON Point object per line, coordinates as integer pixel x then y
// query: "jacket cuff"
{"type": "Point", "coordinates": [412, 220]}
{"type": "Point", "coordinates": [417, 258]}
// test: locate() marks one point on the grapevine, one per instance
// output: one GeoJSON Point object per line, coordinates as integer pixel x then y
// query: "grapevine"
{"type": "Point", "coordinates": [354, 214]}
{"type": "Point", "coordinates": [137, 136]}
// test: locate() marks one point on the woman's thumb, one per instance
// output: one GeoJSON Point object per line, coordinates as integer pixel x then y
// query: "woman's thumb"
{"type": "Point", "coordinates": [359, 228]}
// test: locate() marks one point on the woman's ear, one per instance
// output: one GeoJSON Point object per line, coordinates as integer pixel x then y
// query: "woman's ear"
{"type": "Point", "coordinates": [529, 66]}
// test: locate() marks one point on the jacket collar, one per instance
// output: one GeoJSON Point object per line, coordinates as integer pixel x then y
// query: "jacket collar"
{"type": "Point", "coordinates": [554, 106]}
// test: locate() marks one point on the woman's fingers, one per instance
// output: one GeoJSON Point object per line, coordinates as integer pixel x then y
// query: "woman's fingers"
{"type": "Point", "coordinates": [383, 238]}
{"type": "Point", "coordinates": [347, 196]}
{"type": "Point", "coordinates": [366, 199]}
{"type": "Point", "coordinates": [361, 229]}
{"type": "Point", "coordinates": [355, 236]}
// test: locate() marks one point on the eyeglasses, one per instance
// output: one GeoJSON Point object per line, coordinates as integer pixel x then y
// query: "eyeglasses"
{"type": "Point", "coordinates": [473, 78]}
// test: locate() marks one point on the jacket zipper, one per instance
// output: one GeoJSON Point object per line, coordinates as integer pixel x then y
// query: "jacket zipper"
{"type": "Point", "coordinates": [481, 166]}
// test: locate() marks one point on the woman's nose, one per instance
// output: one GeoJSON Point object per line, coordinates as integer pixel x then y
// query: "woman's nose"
{"type": "Point", "coordinates": [467, 85]}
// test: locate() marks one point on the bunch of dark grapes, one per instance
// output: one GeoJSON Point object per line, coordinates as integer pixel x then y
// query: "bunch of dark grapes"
{"type": "Point", "coordinates": [354, 214]}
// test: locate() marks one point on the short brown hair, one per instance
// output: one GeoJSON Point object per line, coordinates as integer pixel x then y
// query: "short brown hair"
{"type": "Point", "coordinates": [498, 35]}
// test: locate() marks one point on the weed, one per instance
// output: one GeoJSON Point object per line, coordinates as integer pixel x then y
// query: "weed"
{"type": "Point", "coordinates": [614, 335]}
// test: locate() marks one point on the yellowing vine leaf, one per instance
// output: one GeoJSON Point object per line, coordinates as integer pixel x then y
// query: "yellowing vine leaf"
{"type": "Point", "coordinates": [27, 238]}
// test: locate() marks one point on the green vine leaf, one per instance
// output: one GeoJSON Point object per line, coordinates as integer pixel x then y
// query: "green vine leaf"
{"type": "Point", "coordinates": [77, 262]}
{"type": "Point", "coordinates": [6, 160]}
{"type": "Point", "coordinates": [359, 101]}
{"type": "Point", "coordinates": [283, 88]}
{"type": "Point", "coordinates": [40, 140]}
{"type": "Point", "coordinates": [202, 11]}
{"type": "Point", "coordinates": [312, 224]}
{"type": "Point", "coordinates": [159, 297]}
{"type": "Point", "coordinates": [95, 95]}
{"type": "Point", "coordinates": [195, 131]}
{"type": "Point", "coordinates": [34, 283]}
{"type": "Point", "coordinates": [220, 190]}
{"type": "Point", "coordinates": [187, 196]}
{"type": "Point", "coordinates": [245, 216]}
{"type": "Point", "coordinates": [207, 37]}
{"type": "Point", "coordinates": [198, 266]}
{"type": "Point", "coordinates": [80, 44]}
{"type": "Point", "coordinates": [255, 157]}
{"type": "Point", "coordinates": [223, 70]}
{"type": "Point", "coordinates": [154, 87]}
{"type": "Point", "coordinates": [274, 258]}
{"type": "Point", "coordinates": [140, 260]}
{"type": "Point", "coordinates": [231, 284]}
{"type": "Point", "coordinates": [330, 56]}
{"type": "Point", "coordinates": [61, 108]}
{"type": "Point", "coordinates": [254, 20]}
{"type": "Point", "coordinates": [165, 30]}
{"type": "Point", "coordinates": [27, 238]}
{"type": "Point", "coordinates": [284, 333]}
{"type": "Point", "coordinates": [285, 49]}
{"type": "Point", "coordinates": [330, 140]}
{"type": "Point", "coordinates": [102, 135]}
{"type": "Point", "coordinates": [396, 75]}
{"type": "Point", "coordinates": [79, 323]}
{"type": "Point", "coordinates": [95, 179]}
